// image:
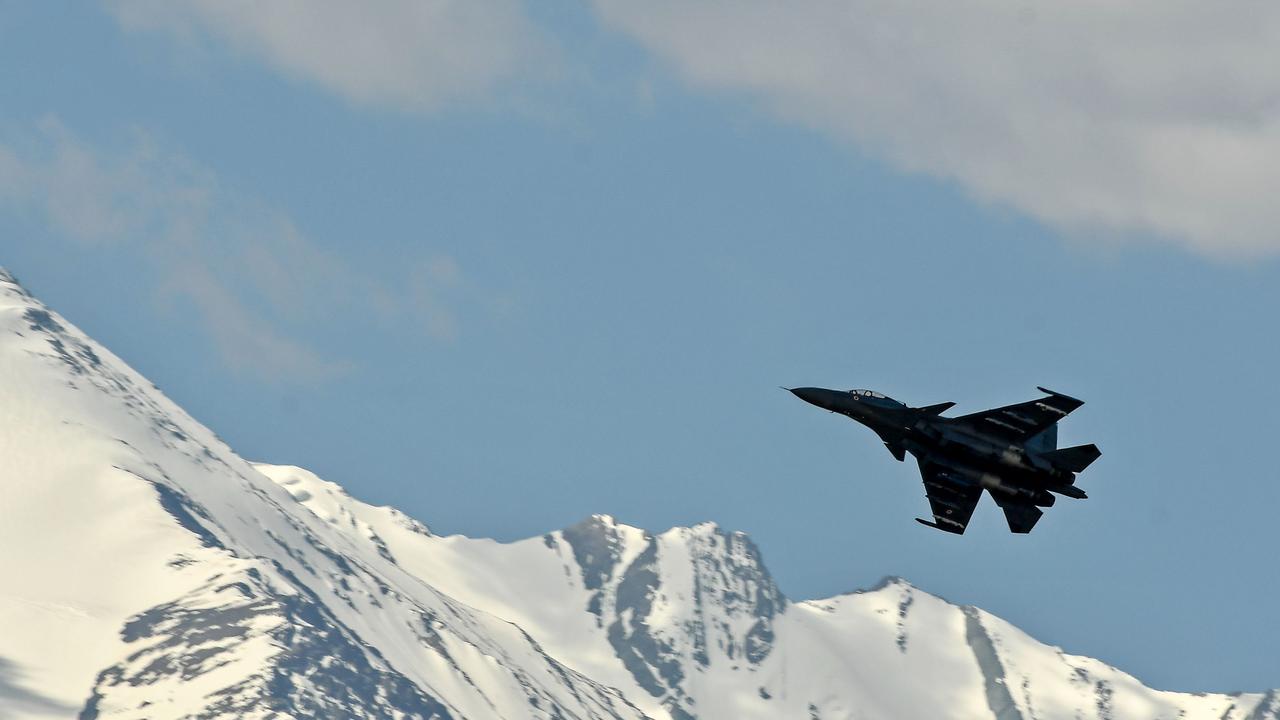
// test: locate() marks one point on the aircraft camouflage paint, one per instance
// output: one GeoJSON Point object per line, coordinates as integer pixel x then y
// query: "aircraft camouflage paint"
{"type": "Point", "coordinates": [1011, 451]}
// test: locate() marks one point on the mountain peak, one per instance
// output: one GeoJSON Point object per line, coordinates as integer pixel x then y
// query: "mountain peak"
{"type": "Point", "coordinates": [890, 581]}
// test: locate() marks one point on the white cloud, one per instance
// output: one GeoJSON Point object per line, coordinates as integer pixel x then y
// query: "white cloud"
{"type": "Point", "coordinates": [246, 269]}
{"type": "Point", "coordinates": [415, 55]}
{"type": "Point", "coordinates": [1150, 118]}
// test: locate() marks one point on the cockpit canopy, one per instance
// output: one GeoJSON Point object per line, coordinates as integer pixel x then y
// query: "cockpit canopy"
{"type": "Point", "coordinates": [875, 397]}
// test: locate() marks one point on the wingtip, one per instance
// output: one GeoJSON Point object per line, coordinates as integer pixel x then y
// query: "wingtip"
{"type": "Point", "coordinates": [936, 526]}
{"type": "Point", "coordinates": [1055, 393]}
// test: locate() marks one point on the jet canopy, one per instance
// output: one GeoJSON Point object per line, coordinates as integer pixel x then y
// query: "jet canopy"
{"type": "Point", "coordinates": [875, 397]}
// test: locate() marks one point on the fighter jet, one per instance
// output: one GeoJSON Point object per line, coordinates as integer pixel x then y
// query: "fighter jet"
{"type": "Point", "coordinates": [1010, 451]}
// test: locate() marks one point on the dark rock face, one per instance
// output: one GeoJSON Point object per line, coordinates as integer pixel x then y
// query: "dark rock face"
{"type": "Point", "coordinates": [731, 576]}
{"type": "Point", "coordinates": [597, 548]}
{"type": "Point", "coordinates": [1268, 708]}
{"type": "Point", "coordinates": [319, 669]}
{"type": "Point", "coordinates": [651, 660]}
{"type": "Point", "coordinates": [185, 511]}
{"type": "Point", "coordinates": [731, 590]}
{"type": "Point", "coordinates": [904, 607]}
{"type": "Point", "coordinates": [984, 651]}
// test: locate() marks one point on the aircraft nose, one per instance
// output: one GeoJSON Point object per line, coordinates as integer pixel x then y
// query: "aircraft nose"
{"type": "Point", "coordinates": [811, 395]}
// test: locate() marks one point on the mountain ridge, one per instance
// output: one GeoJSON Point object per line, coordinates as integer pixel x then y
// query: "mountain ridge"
{"type": "Point", "coordinates": [152, 572]}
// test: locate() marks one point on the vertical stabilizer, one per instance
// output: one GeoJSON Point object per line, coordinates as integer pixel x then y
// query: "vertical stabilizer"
{"type": "Point", "coordinates": [1074, 459]}
{"type": "Point", "coordinates": [1045, 441]}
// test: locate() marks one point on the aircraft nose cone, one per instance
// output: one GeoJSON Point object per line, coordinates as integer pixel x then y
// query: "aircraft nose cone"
{"type": "Point", "coordinates": [813, 396]}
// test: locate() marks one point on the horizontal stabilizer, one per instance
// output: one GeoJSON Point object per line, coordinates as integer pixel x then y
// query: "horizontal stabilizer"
{"type": "Point", "coordinates": [1073, 459]}
{"type": "Point", "coordinates": [936, 409]}
{"type": "Point", "coordinates": [1021, 517]}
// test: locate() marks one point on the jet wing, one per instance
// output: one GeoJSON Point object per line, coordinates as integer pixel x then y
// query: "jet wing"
{"type": "Point", "coordinates": [1020, 422]}
{"type": "Point", "coordinates": [951, 499]}
{"type": "Point", "coordinates": [1022, 516]}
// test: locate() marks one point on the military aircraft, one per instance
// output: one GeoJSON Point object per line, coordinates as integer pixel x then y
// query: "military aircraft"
{"type": "Point", "coordinates": [1010, 451]}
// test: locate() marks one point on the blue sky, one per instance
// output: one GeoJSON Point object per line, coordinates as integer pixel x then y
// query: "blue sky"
{"type": "Point", "coordinates": [503, 266]}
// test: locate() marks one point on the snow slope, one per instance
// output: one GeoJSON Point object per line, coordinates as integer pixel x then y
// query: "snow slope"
{"type": "Point", "coordinates": [149, 572]}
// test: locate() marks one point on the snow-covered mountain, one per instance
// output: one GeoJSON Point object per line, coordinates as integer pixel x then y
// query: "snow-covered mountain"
{"type": "Point", "coordinates": [146, 571]}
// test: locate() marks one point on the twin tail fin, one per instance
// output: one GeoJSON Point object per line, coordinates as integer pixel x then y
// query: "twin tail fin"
{"type": "Point", "coordinates": [936, 409]}
{"type": "Point", "coordinates": [1073, 459]}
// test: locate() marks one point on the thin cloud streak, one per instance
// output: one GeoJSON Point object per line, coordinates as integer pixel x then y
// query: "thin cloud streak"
{"type": "Point", "coordinates": [410, 55]}
{"type": "Point", "coordinates": [248, 272]}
